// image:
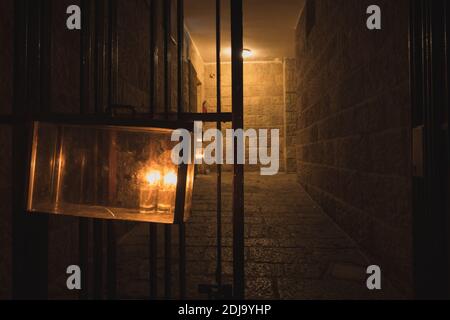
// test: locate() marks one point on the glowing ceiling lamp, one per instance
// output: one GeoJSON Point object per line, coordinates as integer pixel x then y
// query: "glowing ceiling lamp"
{"type": "Point", "coordinates": [247, 53]}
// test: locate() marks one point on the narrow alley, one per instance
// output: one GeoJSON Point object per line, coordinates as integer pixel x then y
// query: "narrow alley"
{"type": "Point", "coordinates": [293, 249]}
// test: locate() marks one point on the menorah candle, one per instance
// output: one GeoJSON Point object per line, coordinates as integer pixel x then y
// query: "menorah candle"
{"type": "Point", "coordinates": [167, 192]}
{"type": "Point", "coordinates": [148, 198]}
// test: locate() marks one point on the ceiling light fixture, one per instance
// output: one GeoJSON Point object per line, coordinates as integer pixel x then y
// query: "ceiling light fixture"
{"type": "Point", "coordinates": [247, 53]}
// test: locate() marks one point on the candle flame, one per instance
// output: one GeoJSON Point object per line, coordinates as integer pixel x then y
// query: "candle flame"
{"type": "Point", "coordinates": [153, 177]}
{"type": "Point", "coordinates": [170, 178]}
{"type": "Point", "coordinates": [199, 156]}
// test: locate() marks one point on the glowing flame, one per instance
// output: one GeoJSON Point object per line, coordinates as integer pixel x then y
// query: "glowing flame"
{"type": "Point", "coordinates": [153, 177]}
{"type": "Point", "coordinates": [170, 178]}
{"type": "Point", "coordinates": [199, 155]}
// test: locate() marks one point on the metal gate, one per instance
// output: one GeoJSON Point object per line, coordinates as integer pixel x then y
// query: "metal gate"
{"type": "Point", "coordinates": [99, 82]}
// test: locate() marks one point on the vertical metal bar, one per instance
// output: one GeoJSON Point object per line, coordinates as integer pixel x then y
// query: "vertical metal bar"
{"type": "Point", "coordinates": [439, 92]}
{"type": "Point", "coordinates": [447, 135]}
{"type": "Point", "coordinates": [167, 261]}
{"type": "Point", "coordinates": [152, 229]}
{"type": "Point", "coordinates": [180, 99]}
{"type": "Point", "coordinates": [167, 228]}
{"type": "Point", "coordinates": [182, 254]}
{"type": "Point", "coordinates": [167, 25]}
{"type": "Point", "coordinates": [83, 249]}
{"type": "Point", "coordinates": [85, 57]}
{"type": "Point", "coordinates": [428, 95]}
{"type": "Point", "coordinates": [113, 63]}
{"type": "Point", "coordinates": [99, 55]}
{"type": "Point", "coordinates": [238, 123]}
{"type": "Point", "coordinates": [46, 45]}
{"type": "Point", "coordinates": [153, 260]}
{"type": "Point", "coordinates": [152, 40]}
{"type": "Point", "coordinates": [96, 56]}
{"type": "Point", "coordinates": [111, 260]}
{"type": "Point", "coordinates": [180, 25]}
{"type": "Point", "coordinates": [41, 225]}
{"type": "Point", "coordinates": [98, 259]}
{"type": "Point", "coordinates": [112, 91]}
{"type": "Point", "coordinates": [219, 127]}
{"type": "Point", "coordinates": [99, 108]}
{"type": "Point", "coordinates": [34, 55]}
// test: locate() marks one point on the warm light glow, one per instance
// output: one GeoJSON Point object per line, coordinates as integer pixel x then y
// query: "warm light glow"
{"type": "Point", "coordinates": [170, 178]}
{"type": "Point", "coordinates": [247, 53]}
{"type": "Point", "coordinates": [153, 177]}
{"type": "Point", "coordinates": [138, 170]}
{"type": "Point", "coordinates": [199, 155]}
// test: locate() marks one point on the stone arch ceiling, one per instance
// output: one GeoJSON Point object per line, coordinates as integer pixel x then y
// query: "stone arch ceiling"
{"type": "Point", "coordinates": [269, 27]}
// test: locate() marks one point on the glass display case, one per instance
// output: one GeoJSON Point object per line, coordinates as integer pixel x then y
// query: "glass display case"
{"type": "Point", "coordinates": [108, 172]}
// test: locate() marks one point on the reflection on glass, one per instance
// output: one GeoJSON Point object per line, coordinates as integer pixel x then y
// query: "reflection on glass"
{"type": "Point", "coordinates": [105, 172]}
{"type": "Point", "coordinates": [166, 201]}
{"type": "Point", "coordinates": [149, 192]}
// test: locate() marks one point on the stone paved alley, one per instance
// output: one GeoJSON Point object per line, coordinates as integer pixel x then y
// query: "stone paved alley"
{"type": "Point", "coordinates": [293, 249]}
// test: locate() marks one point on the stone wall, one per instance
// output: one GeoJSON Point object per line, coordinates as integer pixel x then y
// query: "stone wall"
{"type": "Point", "coordinates": [193, 56]}
{"type": "Point", "coordinates": [133, 36]}
{"type": "Point", "coordinates": [290, 119]}
{"type": "Point", "coordinates": [263, 97]}
{"type": "Point", "coordinates": [353, 125]}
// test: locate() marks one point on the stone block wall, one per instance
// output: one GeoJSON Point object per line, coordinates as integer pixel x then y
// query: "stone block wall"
{"type": "Point", "coordinates": [193, 56]}
{"type": "Point", "coordinates": [290, 120]}
{"type": "Point", "coordinates": [353, 125]}
{"type": "Point", "coordinates": [263, 98]}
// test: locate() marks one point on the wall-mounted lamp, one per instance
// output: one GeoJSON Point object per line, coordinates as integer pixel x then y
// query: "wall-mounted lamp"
{"type": "Point", "coordinates": [108, 171]}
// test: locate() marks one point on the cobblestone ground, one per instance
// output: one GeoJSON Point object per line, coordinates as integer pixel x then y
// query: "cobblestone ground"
{"type": "Point", "coordinates": [293, 250]}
